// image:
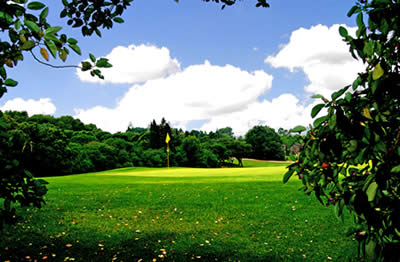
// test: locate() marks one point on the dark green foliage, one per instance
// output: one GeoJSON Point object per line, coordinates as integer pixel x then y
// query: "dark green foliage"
{"type": "Point", "coordinates": [158, 133]}
{"type": "Point", "coordinates": [240, 149]}
{"type": "Point", "coordinates": [82, 137]}
{"type": "Point", "coordinates": [352, 155]}
{"type": "Point", "coordinates": [101, 155]}
{"type": "Point", "coordinates": [191, 146]}
{"type": "Point", "coordinates": [265, 143]}
{"type": "Point", "coordinates": [154, 157]}
{"type": "Point", "coordinates": [260, 3]}
{"type": "Point", "coordinates": [17, 184]}
{"type": "Point", "coordinates": [208, 159]}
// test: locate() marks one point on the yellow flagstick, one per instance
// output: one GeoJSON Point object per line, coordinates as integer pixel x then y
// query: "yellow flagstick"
{"type": "Point", "coordinates": [167, 141]}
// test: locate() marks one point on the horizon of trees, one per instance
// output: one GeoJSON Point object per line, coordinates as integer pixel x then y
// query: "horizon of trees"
{"type": "Point", "coordinates": [52, 146]}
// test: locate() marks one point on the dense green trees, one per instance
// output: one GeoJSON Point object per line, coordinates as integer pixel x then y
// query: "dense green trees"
{"type": "Point", "coordinates": [265, 142]}
{"type": "Point", "coordinates": [64, 145]}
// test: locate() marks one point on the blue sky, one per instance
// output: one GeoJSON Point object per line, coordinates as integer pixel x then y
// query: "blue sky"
{"type": "Point", "coordinates": [199, 66]}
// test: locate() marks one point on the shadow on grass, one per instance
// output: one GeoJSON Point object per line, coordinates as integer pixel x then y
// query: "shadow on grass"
{"type": "Point", "coordinates": [32, 246]}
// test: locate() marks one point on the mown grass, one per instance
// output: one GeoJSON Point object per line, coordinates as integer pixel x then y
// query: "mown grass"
{"type": "Point", "coordinates": [180, 214]}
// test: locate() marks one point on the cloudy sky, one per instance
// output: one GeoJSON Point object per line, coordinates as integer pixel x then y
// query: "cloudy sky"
{"type": "Point", "coordinates": [198, 66]}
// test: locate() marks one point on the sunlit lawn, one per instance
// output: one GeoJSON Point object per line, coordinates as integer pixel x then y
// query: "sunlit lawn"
{"type": "Point", "coordinates": [180, 214]}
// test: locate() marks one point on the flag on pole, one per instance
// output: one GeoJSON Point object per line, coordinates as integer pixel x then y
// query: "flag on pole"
{"type": "Point", "coordinates": [167, 138]}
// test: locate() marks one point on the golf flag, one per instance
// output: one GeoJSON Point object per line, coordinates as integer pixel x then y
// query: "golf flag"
{"type": "Point", "coordinates": [167, 139]}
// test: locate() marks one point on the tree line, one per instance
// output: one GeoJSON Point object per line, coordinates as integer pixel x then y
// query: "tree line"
{"type": "Point", "coordinates": [50, 146]}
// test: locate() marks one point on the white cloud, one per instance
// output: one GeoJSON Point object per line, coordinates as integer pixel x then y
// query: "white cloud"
{"type": "Point", "coordinates": [41, 106]}
{"type": "Point", "coordinates": [323, 56]}
{"type": "Point", "coordinates": [284, 111]}
{"type": "Point", "coordinates": [200, 92]}
{"type": "Point", "coordinates": [135, 64]}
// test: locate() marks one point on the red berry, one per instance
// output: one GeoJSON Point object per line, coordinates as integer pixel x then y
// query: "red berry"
{"type": "Point", "coordinates": [326, 165]}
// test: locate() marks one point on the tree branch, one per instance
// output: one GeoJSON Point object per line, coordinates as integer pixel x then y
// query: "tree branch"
{"type": "Point", "coordinates": [50, 65]}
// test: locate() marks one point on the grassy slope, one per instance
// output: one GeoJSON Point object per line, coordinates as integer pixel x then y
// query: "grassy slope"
{"type": "Point", "coordinates": [129, 214]}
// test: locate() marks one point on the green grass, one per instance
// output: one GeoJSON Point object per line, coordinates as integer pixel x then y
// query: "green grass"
{"type": "Point", "coordinates": [263, 163]}
{"type": "Point", "coordinates": [227, 214]}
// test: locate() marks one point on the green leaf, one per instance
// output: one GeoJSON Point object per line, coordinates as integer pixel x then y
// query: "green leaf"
{"type": "Point", "coordinates": [28, 174]}
{"type": "Point", "coordinates": [339, 209]}
{"type": "Point", "coordinates": [51, 47]}
{"type": "Point", "coordinates": [35, 5]}
{"type": "Point", "coordinates": [32, 26]}
{"type": "Point", "coordinates": [343, 32]}
{"type": "Point", "coordinates": [118, 20]}
{"type": "Point", "coordinates": [378, 72]}
{"type": "Point", "coordinates": [103, 62]}
{"type": "Point", "coordinates": [353, 10]}
{"type": "Point", "coordinates": [384, 26]}
{"type": "Point", "coordinates": [72, 41]}
{"type": "Point", "coordinates": [75, 48]}
{"type": "Point", "coordinates": [396, 169]}
{"type": "Point", "coordinates": [357, 82]}
{"type": "Point", "coordinates": [3, 72]}
{"type": "Point", "coordinates": [371, 191]}
{"type": "Point", "coordinates": [10, 82]}
{"type": "Point", "coordinates": [316, 109]}
{"type": "Point", "coordinates": [360, 20]}
{"type": "Point", "coordinates": [317, 96]}
{"type": "Point", "coordinates": [339, 93]}
{"type": "Point", "coordinates": [52, 38]}
{"type": "Point", "coordinates": [63, 13]}
{"type": "Point", "coordinates": [369, 48]}
{"type": "Point", "coordinates": [320, 120]}
{"type": "Point", "coordinates": [65, 2]}
{"type": "Point", "coordinates": [52, 30]}
{"type": "Point", "coordinates": [28, 45]}
{"type": "Point", "coordinates": [348, 97]}
{"type": "Point", "coordinates": [3, 125]}
{"type": "Point", "coordinates": [370, 249]}
{"type": "Point", "coordinates": [287, 175]}
{"type": "Point", "coordinates": [353, 146]}
{"type": "Point", "coordinates": [98, 32]}
{"type": "Point", "coordinates": [14, 37]}
{"type": "Point", "coordinates": [42, 181]}
{"type": "Point", "coordinates": [92, 57]}
{"type": "Point", "coordinates": [17, 24]}
{"type": "Point", "coordinates": [44, 13]}
{"type": "Point", "coordinates": [332, 122]}
{"type": "Point", "coordinates": [298, 129]}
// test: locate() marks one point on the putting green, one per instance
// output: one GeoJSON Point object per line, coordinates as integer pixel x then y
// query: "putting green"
{"type": "Point", "coordinates": [178, 175]}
